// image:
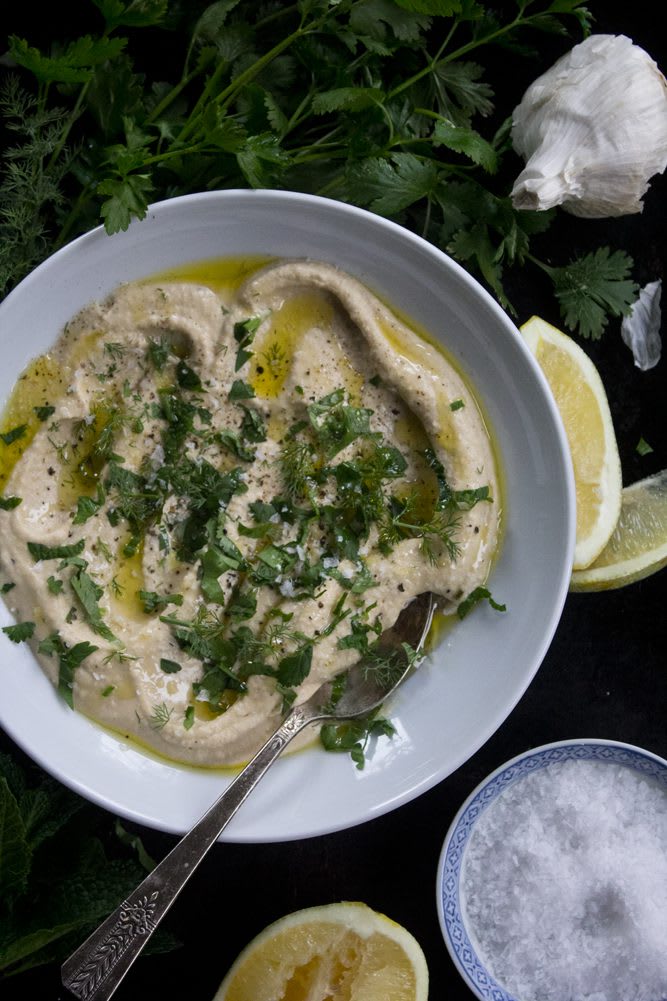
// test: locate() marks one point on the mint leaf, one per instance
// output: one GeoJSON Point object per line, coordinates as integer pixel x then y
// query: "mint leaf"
{"type": "Point", "coordinates": [15, 856]}
{"type": "Point", "coordinates": [89, 593]}
{"type": "Point", "coordinates": [69, 659]}
{"type": "Point", "coordinates": [295, 667]}
{"type": "Point", "coordinates": [42, 552]}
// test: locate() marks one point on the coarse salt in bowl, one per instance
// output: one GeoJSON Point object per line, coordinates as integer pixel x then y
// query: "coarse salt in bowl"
{"type": "Point", "coordinates": [552, 880]}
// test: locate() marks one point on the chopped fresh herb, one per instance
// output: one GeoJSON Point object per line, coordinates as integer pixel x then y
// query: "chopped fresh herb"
{"type": "Point", "coordinates": [86, 507]}
{"type": "Point", "coordinates": [643, 447]}
{"type": "Point", "coordinates": [69, 659]}
{"type": "Point", "coordinates": [231, 441]}
{"type": "Point", "coordinates": [353, 737]}
{"type": "Point", "coordinates": [158, 353]}
{"type": "Point", "coordinates": [169, 666]}
{"type": "Point", "coordinates": [89, 593]}
{"type": "Point", "coordinates": [7, 587]}
{"type": "Point", "coordinates": [253, 428]}
{"type": "Point", "coordinates": [241, 391]}
{"type": "Point", "coordinates": [106, 692]}
{"type": "Point", "coordinates": [244, 332]}
{"type": "Point", "coordinates": [474, 598]}
{"type": "Point", "coordinates": [160, 717]}
{"type": "Point", "coordinates": [20, 632]}
{"type": "Point", "coordinates": [154, 602]}
{"type": "Point", "coordinates": [186, 377]}
{"type": "Point", "coordinates": [9, 503]}
{"type": "Point", "coordinates": [42, 552]}
{"type": "Point", "coordinates": [43, 413]}
{"type": "Point", "coordinates": [54, 585]}
{"type": "Point", "coordinates": [9, 437]}
{"type": "Point", "coordinates": [189, 718]}
{"type": "Point", "coordinates": [457, 405]}
{"type": "Point", "coordinates": [295, 667]}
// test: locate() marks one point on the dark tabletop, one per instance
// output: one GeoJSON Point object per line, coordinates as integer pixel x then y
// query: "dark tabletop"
{"type": "Point", "coordinates": [603, 676]}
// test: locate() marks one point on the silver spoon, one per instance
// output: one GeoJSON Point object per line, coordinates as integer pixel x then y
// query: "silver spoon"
{"type": "Point", "coordinates": [97, 967]}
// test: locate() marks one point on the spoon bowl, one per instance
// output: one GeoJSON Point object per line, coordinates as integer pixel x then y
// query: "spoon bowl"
{"type": "Point", "coordinates": [96, 968]}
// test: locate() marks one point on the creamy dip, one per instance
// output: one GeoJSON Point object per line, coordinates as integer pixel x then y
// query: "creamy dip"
{"type": "Point", "coordinates": [223, 495]}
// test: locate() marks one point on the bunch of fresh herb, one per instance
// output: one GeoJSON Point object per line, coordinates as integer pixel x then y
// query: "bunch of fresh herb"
{"type": "Point", "coordinates": [62, 869]}
{"type": "Point", "coordinates": [381, 103]}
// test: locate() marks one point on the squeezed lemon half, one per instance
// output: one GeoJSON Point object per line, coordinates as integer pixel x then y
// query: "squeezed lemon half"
{"type": "Point", "coordinates": [584, 409]}
{"type": "Point", "coordinates": [343, 952]}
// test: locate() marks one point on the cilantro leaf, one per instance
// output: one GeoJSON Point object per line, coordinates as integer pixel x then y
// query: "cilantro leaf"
{"type": "Point", "coordinates": [388, 186]}
{"type": "Point", "coordinates": [9, 503]}
{"type": "Point", "coordinates": [463, 139]}
{"type": "Point", "coordinates": [591, 288]}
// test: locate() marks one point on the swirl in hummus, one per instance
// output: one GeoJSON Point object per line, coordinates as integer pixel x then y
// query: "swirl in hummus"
{"type": "Point", "coordinates": [225, 496]}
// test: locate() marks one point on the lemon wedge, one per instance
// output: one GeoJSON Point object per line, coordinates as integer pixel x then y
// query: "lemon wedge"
{"type": "Point", "coordinates": [582, 403]}
{"type": "Point", "coordinates": [638, 545]}
{"type": "Point", "coordinates": [344, 951]}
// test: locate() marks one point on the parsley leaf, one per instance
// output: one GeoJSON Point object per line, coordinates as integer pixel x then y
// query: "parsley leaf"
{"type": "Point", "coordinates": [19, 632]}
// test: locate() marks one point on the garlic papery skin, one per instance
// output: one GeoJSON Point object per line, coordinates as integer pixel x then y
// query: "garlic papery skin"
{"type": "Point", "coordinates": [640, 330]}
{"type": "Point", "coordinates": [593, 130]}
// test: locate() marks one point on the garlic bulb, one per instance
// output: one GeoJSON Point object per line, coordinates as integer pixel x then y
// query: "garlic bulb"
{"type": "Point", "coordinates": [593, 130]}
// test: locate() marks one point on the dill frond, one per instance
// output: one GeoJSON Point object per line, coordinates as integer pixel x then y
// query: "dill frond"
{"type": "Point", "coordinates": [30, 180]}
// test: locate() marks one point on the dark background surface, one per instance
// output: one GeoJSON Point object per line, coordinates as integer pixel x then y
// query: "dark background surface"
{"type": "Point", "coordinates": [604, 674]}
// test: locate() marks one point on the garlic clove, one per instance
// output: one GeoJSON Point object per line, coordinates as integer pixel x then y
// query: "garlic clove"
{"type": "Point", "coordinates": [593, 130]}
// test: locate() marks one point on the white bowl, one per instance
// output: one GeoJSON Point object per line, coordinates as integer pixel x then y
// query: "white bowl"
{"type": "Point", "coordinates": [484, 665]}
{"type": "Point", "coordinates": [458, 935]}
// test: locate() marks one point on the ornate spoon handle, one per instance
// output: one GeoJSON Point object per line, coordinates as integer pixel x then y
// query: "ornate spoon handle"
{"type": "Point", "coordinates": [95, 970]}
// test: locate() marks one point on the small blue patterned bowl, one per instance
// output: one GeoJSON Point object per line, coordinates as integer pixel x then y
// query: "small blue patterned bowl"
{"type": "Point", "coordinates": [450, 912]}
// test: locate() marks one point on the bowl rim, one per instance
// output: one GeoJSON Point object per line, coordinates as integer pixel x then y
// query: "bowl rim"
{"type": "Point", "coordinates": [160, 213]}
{"type": "Point", "coordinates": [494, 990]}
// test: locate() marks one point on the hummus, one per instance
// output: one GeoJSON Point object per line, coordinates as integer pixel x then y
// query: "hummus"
{"type": "Point", "coordinates": [223, 495]}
